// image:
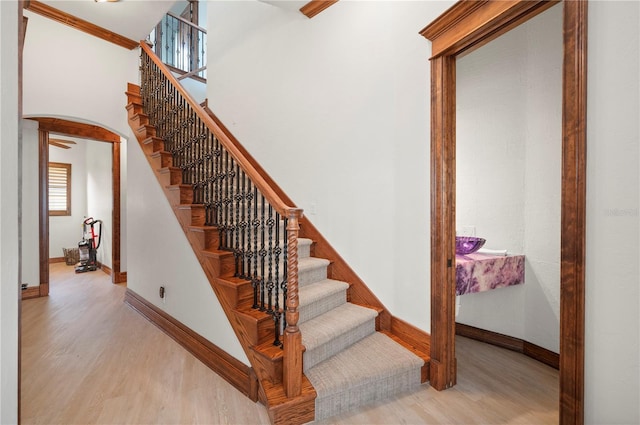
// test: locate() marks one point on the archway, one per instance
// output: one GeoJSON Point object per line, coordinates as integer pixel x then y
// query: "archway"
{"type": "Point", "coordinates": [74, 128]}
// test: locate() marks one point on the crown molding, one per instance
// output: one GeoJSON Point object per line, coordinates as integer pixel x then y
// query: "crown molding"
{"type": "Point", "coordinates": [80, 24]}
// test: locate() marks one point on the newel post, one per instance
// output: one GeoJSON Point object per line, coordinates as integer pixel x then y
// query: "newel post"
{"type": "Point", "coordinates": [292, 359]}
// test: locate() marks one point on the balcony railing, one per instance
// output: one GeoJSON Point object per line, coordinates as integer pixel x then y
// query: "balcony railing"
{"type": "Point", "coordinates": [181, 45]}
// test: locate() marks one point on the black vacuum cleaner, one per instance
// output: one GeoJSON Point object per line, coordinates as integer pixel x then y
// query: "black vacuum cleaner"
{"type": "Point", "coordinates": [88, 246]}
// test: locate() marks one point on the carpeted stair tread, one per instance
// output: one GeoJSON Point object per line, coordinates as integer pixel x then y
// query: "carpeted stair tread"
{"type": "Point", "coordinates": [372, 369]}
{"type": "Point", "coordinates": [328, 334]}
{"type": "Point", "coordinates": [321, 297]}
{"type": "Point", "coordinates": [304, 248]}
{"type": "Point", "coordinates": [312, 269]}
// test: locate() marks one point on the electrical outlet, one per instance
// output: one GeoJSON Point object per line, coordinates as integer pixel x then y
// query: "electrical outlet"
{"type": "Point", "coordinates": [313, 208]}
{"type": "Point", "coordinates": [163, 294]}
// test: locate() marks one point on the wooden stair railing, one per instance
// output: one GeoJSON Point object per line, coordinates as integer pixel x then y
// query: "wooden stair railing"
{"type": "Point", "coordinates": [285, 390]}
{"type": "Point", "coordinates": [232, 197]}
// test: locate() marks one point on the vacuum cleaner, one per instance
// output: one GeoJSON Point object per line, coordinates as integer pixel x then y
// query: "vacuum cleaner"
{"type": "Point", "coordinates": [88, 246]}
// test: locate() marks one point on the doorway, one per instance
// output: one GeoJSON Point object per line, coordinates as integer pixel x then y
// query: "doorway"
{"type": "Point", "coordinates": [461, 29]}
{"type": "Point", "coordinates": [50, 125]}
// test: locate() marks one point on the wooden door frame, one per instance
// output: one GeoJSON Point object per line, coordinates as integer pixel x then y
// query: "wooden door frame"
{"type": "Point", "coordinates": [464, 27]}
{"type": "Point", "coordinates": [48, 125]}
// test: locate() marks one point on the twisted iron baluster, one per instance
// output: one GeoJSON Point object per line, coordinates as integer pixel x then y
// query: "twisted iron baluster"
{"type": "Point", "coordinates": [270, 282]}
{"type": "Point", "coordinates": [263, 254]}
{"type": "Point", "coordinates": [277, 312]}
{"type": "Point", "coordinates": [219, 192]}
{"type": "Point", "coordinates": [243, 223]}
{"type": "Point", "coordinates": [237, 197]}
{"type": "Point", "coordinates": [210, 177]}
{"type": "Point", "coordinates": [255, 223]}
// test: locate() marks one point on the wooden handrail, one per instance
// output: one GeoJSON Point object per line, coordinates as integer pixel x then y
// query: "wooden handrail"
{"type": "Point", "coordinates": [191, 24]}
{"type": "Point", "coordinates": [292, 356]}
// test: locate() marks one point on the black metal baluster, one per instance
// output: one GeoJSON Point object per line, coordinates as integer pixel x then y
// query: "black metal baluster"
{"type": "Point", "coordinates": [237, 197]}
{"type": "Point", "coordinates": [243, 224]}
{"type": "Point", "coordinates": [246, 241]}
{"type": "Point", "coordinates": [270, 283]}
{"type": "Point", "coordinates": [277, 311]}
{"type": "Point", "coordinates": [255, 223]}
{"type": "Point", "coordinates": [263, 254]}
{"type": "Point", "coordinates": [276, 275]}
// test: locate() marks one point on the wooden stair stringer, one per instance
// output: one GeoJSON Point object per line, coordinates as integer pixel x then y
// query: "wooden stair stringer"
{"type": "Point", "coordinates": [217, 264]}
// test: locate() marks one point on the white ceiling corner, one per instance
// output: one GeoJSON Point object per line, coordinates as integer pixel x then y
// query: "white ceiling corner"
{"type": "Point", "coordinates": [133, 19]}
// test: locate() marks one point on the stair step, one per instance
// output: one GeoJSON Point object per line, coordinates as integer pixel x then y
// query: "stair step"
{"type": "Point", "coordinates": [192, 214]}
{"type": "Point", "coordinates": [152, 144]}
{"type": "Point", "coordinates": [206, 236]}
{"type": "Point", "coordinates": [312, 269]}
{"type": "Point", "coordinates": [285, 410]}
{"type": "Point", "coordinates": [180, 194]}
{"type": "Point", "coordinates": [425, 356]}
{"type": "Point", "coordinates": [372, 369]}
{"type": "Point", "coordinates": [332, 332]}
{"type": "Point", "coordinates": [321, 297]}
{"type": "Point", "coordinates": [162, 159]}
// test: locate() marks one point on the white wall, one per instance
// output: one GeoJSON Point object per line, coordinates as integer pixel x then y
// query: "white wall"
{"type": "Point", "coordinates": [85, 81]}
{"type": "Point", "coordinates": [30, 265]}
{"type": "Point", "coordinates": [612, 354]}
{"type": "Point", "coordinates": [543, 179]}
{"type": "Point", "coordinates": [99, 168]}
{"type": "Point", "coordinates": [160, 255]}
{"type": "Point", "coordinates": [612, 293]}
{"type": "Point", "coordinates": [9, 136]}
{"type": "Point", "coordinates": [508, 165]}
{"type": "Point", "coordinates": [336, 110]}
{"type": "Point", "coordinates": [66, 231]}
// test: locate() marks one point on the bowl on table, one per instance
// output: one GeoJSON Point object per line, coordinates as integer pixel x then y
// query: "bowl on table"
{"type": "Point", "coordinates": [468, 244]}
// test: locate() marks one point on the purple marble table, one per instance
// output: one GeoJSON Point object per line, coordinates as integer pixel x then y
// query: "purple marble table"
{"type": "Point", "coordinates": [480, 272]}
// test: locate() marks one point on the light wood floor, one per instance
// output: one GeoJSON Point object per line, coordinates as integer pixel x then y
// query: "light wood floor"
{"type": "Point", "coordinates": [88, 358]}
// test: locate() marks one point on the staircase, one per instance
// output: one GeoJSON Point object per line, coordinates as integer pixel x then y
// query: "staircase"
{"type": "Point", "coordinates": [353, 351]}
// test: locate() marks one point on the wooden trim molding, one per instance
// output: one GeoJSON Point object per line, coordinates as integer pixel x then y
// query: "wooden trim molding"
{"type": "Point", "coordinates": [80, 24]}
{"type": "Point", "coordinates": [461, 29]}
{"type": "Point", "coordinates": [573, 220]}
{"type": "Point", "coordinates": [314, 7]}
{"type": "Point", "coordinates": [115, 211]}
{"type": "Point", "coordinates": [30, 292]}
{"type": "Point", "coordinates": [443, 107]}
{"type": "Point", "coordinates": [119, 277]}
{"type": "Point", "coordinates": [536, 352]}
{"type": "Point", "coordinates": [43, 210]}
{"type": "Point", "coordinates": [106, 269]}
{"type": "Point", "coordinates": [241, 376]}
{"type": "Point", "coordinates": [468, 25]}
{"type": "Point", "coordinates": [92, 132]}
{"type": "Point", "coordinates": [76, 129]}
{"type": "Point", "coordinates": [53, 260]}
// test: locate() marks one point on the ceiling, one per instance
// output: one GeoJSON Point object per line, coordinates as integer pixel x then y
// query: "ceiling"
{"type": "Point", "coordinates": [133, 19]}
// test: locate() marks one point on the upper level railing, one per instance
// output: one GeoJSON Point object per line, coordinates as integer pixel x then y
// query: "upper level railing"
{"type": "Point", "coordinates": [251, 218]}
{"type": "Point", "coordinates": [182, 45]}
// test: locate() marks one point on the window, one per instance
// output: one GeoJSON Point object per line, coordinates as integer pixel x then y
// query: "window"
{"type": "Point", "coordinates": [59, 188]}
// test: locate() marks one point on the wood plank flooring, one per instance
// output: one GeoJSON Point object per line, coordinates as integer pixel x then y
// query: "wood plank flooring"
{"type": "Point", "coordinates": [87, 358]}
